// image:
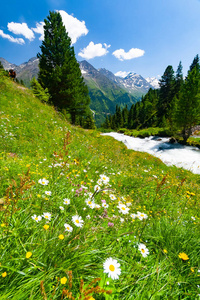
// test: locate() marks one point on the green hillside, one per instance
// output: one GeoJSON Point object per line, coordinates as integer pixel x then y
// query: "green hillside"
{"type": "Point", "coordinates": [104, 99]}
{"type": "Point", "coordinates": [82, 217]}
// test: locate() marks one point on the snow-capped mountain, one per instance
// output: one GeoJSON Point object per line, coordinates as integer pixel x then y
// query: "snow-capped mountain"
{"type": "Point", "coordinates": [153, 81]}
{"type": "Point", "coordinates": [133, 83]}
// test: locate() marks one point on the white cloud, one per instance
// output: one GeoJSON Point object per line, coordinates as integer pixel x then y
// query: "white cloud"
{"type": "Point", "coordinates": [21, 28]}
{"type": "Point", "coordinates": [122, 74]}
{"type": "Point", "coordinates": [132, 53]}
{"type": "Point", "coordinates": [74, 27]}
{"type": "Point", "coordinates": [94, 50]}
{"type": "Point", "coordinates": [40, 30]}
{"type": "Point", "coordinates": [11, 39]}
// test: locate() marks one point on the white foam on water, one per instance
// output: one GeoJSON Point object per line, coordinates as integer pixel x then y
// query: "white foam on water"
{"type": "Point", "coordinates": [186, 157]}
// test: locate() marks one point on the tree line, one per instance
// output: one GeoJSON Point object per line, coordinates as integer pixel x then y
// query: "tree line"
{"type": "Point", "coordinates": [175, 105]}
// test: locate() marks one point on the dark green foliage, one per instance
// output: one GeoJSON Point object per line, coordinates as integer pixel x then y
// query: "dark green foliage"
{"type": "Point", "coordinates": [167, 92]}
{"type": "Point", "coordinates": [60, 71]}
{"type": "Point", "coordinates": [38, 91]}
{"type": "Point", "coordinates": [88, 121]}
{"type": "Point", "coordinates": [194, 63]}
{"type": "Point", "coordinates": [174, 107]}
{"type": "Point", "coordinates": [188, 106]}
{"type": "Point", "coordinates": [178, 79]}
{"type": "Point", "coordinates": [1, 66]}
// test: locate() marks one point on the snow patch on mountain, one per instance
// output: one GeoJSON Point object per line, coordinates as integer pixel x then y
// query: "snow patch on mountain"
{"type": "Point", "coordinates": [153, 81]}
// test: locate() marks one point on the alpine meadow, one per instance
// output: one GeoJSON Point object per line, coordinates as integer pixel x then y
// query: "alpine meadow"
{"type": "Point", "coordinates": [81, 216]}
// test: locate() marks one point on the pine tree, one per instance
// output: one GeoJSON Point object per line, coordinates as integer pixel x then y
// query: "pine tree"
{"type": "Point", "coordinates": [59, 70]}
{"type": "Point", "coordinates": [125, 113]}
{"type": "Point", "coordinates": [188, 105]}
{"type": "Point", "coordinates": [38, 91]}
{"type": "Point", "coordinates": [167, 92]}
{"type": "Point", "coordinates": [178, 79]}
{"type": "Point", "coordinates": [194, 63]}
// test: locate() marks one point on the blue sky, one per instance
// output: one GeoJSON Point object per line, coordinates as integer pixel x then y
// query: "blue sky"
{"type": "Point", "coordinates": [142, 36]}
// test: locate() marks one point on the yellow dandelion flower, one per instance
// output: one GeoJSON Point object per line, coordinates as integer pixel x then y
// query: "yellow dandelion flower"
{"type": "Point", "coordinates": [61, 237]}
{"type": "Point", "coordinates": [46, 226]}
{"type": "Point", "coordinates": [192, 269]}
{"type": "Point", "coordinates": [183, 256]}
{"type": "Point", "coordinates": [28, 254]}
{"type": "Point", "coordinates": [4, 274]}
{"type": "Point", "coordinates": [165, 251]}
{"type": "Point", "coordinates": [63, 280]}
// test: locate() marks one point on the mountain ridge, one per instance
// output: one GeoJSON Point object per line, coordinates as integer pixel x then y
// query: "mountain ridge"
{"type": "Point", "coordinates": [105, 89]}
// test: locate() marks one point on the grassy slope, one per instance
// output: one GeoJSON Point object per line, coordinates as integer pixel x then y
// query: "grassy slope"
{"type": "Point", "coordinates": [37, 143]}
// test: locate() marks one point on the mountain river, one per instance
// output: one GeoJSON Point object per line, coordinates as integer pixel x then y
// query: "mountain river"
{"type": "Point", "coordinates": [185, 157]}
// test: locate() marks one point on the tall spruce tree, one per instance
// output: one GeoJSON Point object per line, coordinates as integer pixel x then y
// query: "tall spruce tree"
{"type": "Point", "coordinates": [194, 63]}
{"type": "Point", "coordinates": [167, 92]}
{"type": "Point", "coordinates": [188, 105]}
{"type": "Point", "coordinates": [178, 79]}
{"type": "Point", "coordinates": [59, 70]}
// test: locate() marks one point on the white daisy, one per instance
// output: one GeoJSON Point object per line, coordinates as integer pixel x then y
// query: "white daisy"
{"type": "Point", "coordinates": [133, 216]}
{"type": "Point", "coordinates": [97, 206]}
{"type": "Point", "coordinates": [123, 209]}
{"type": "Point", "coordinates": [92, 205]}
{"type": "Point", "coordinates": [143, 249]}
{"type": "Point", "coordinates": [66, 201]}
{"type": "Point", "coordinates": [112, 197]}
{"type": "Point", "coordinates": [105, 205]}
{"type": "Point", "coordinates": [47, 216]}
{"type": "Point", "coordinates": [36, 218]}
{"type": "Point", "coordinates": [77, 220]}
{"type": "Point", "coordinates": [99, 181]}
{"type": "Point", "coordinates": [141, 216]}
{"type": "Point", "coordinates": [90, 195]}
{"type": "Point", "coordinates": [43, 181]}
{"type": "Point", "coordinates": [97, 188]}
{"type": "Point", "coordinates": [68, 227]}
{"type": "Point", "coordinates": [112, 267]}
{"type": "Point", "coordinates": [61, 207]}
{"type": "Point", "coordinates": [48, 193]}
{"type": "Point", "coordinates": [105, 179]}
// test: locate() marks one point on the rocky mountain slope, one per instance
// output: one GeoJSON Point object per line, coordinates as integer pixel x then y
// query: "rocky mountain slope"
{"type": "Point", "coordinates": [105, 89]}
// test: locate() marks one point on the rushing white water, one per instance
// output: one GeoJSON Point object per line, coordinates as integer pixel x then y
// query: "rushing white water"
{"type": "Point", "coordinates": [185, 157]}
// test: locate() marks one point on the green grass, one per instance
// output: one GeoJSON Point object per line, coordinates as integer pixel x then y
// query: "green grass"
{"type": "Point", "coordinates": [36, 143]}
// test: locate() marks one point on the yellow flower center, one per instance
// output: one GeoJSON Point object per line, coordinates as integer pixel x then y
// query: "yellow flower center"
{"type": "Point", "coordinates": [77, 221]}
{"type": "Point", "coordinates": [36, 218]}
{"type": "Point", "coordinates": [123, 208]}
{"type": "Point", "coordinates": [142, 250]}
{"type": "Point", "coordinates": [111, 268]}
